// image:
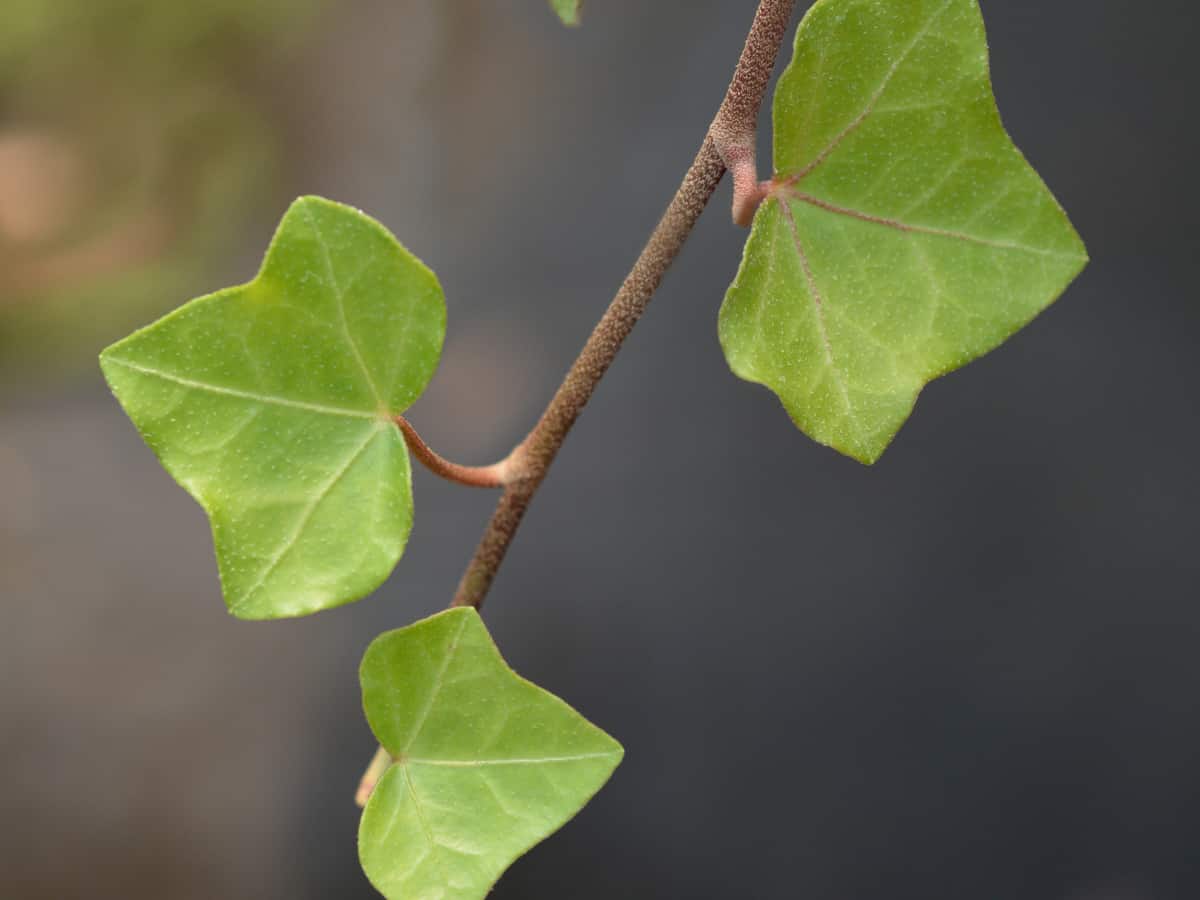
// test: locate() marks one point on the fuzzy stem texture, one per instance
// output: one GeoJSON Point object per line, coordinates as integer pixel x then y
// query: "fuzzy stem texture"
{"type": "Point", "coordinates": [729, 142]}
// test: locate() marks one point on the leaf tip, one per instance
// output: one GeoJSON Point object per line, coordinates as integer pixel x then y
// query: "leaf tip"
{"type": "Point", "coordinates": [868, 458]}
{"type": "Point", "coordinates": [105, 360]}
{"type": "Point", "coordinates": [570, 12]}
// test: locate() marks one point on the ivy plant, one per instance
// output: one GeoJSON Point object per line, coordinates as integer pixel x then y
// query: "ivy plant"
{"type": "Point", "coordinates": [480, 764]}
{"type": "Point", "coordinates": [904, 233]}
{"type": "Point", "coordinates": [274, 403]}
{"type": "Point", "coordinates": [900, 235]}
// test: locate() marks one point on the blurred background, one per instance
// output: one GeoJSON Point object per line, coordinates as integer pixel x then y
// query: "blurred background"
{"type": "Point", "coordinates": [969, 672]}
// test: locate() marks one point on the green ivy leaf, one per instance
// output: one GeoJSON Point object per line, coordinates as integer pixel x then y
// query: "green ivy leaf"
{"type": "Point", "coordinates": [486, 764]}
{"type": "Point", "coordinates": [272, 403]}
{"type": "Point", "coordinates": [904, 234]}
{"type": "Point", "coordinates": [570, 11]}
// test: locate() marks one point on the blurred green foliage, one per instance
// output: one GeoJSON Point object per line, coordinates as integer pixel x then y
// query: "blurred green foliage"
{"type": "Point", "coordinates": [134, 143]}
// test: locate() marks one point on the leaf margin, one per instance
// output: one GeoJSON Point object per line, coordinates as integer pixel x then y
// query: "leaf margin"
{"type": "Point", "coordinates": [868, 455]}
{"type": "Point", "coordinates": [469, 619]}
{"type": "Point", "coordinates": [110, 356]}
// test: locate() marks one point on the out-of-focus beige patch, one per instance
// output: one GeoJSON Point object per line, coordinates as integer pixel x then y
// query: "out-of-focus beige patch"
{"type": "Point", "coordinates": [44, 186]}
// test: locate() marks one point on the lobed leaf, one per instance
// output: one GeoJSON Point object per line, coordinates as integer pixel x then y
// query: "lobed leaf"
{"type": "Point", "coordinates": [486, 764]}
{"type": "Point", "coordinates": [272, 404]}
{"type": "Point", "coordinates": [904, 234]}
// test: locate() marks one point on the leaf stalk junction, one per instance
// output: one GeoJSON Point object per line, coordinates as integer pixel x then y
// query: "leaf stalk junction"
{"type": "Point", "coordinates": [728, 145]}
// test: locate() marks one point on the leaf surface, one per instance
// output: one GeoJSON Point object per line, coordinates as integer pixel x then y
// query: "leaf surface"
{"type": "Point", "coordinates": [904, 234]}
{"type": "Point", "coordinates": [486, 764]}
{"type": "Point", "coordinates": [570, 11]}
{"type": "Point", "coordinates": [272, 403]}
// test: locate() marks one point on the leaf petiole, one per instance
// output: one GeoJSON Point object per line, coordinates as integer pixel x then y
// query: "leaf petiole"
{"type": "Point", "coordinates": [494, 476]}
{"type": "Point", "coordinates": [378, 765]}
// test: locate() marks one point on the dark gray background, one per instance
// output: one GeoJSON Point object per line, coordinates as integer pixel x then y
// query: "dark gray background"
{"type": "Point", "coordinates": [968, 672]}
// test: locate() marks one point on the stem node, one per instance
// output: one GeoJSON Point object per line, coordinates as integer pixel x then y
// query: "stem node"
{"type": "Point", "coordinates": [493, 476]}
{"type": "Point", "coordinates": [729, 142]}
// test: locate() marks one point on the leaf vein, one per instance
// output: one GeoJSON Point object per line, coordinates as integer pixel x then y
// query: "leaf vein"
{"type": "Point", "coordinates": [515, 761]}
{"type": "Point", "coordinates": [307, 514]}
{"type": "Point", "coordinates": [898, 225]}
{"type": "Point", "coordinates": [244, 395]}
{"type": "Point", "coordinates": [438, 680]}
{"type": "Point", "coordinates": [862, 117]}
{"type": "Point", "coordinates": [341, 306]}
{"type": "Point", "coordinates": [819, 305]}
{"type": "Point", "coordinates": [434, 846]}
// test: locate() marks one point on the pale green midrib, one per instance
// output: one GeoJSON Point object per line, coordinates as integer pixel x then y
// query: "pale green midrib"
{"type": "Point", "coordinates": [767, 282]}
{"type": "Point", "coordinates": [306, 516]}
{"type": "Point", "coordinates": [436, 689]}
{"type": "Point", "coordinates": [874, 99]}
{"type": "Point", "coordinates": [839, 376]}
{"type": "Point", "coordinates": [341, 305]}
{"type": "Point", "coordinates": [244, 395]}
{"type": "Point", "coordinates": [884, 221]}
{"type": "Point", "coordinates": [437, 847]}
{"type": "Point", "coordinates": [434, 846]}
{"type": "Point", "coordinates": [520, 761]}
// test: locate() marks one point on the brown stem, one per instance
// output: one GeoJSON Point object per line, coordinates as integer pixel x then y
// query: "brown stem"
{"type": "Point", "coordinates": [730, 139]}
{"type": "Point", "coordinates": [523, 471]}
{"type": "Point", "coordinates": [736, 126]}
{"type": "Point", "coordinates": [748, 191]}
{"type": "Point", "coordinates": [491, 476]}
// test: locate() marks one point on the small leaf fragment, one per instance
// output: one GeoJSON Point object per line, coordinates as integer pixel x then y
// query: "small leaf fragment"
{"type": "Point", "coordinates": [570, 11]}
{"type": "Point", "coordinates": [273, 404]}
{"type": "Point", "coordinates": [486, 764]}
{"type": "Point", "coordinates": [904, 234]}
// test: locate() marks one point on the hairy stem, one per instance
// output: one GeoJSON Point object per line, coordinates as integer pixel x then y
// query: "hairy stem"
{"type": "Point", "coordinates": [730, 141]}
{"type": "Point", "coordinates": [491, 476]}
